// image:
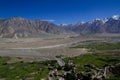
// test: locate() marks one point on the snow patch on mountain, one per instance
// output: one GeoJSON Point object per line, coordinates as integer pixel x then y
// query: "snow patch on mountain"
{"type": "Point", "coordinates": [97, 19]}
{"type": "Point", "coordinates": [105, 20]}
{"type": "Point", "coordinates": [115, 17]}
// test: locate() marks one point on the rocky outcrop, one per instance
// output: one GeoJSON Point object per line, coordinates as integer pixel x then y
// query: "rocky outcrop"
{"type": "Point", "coordinates": [94, 73]}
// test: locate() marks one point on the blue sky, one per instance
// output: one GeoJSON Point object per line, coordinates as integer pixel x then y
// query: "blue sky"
{"type": "Point", "coordinates": [60, 11]}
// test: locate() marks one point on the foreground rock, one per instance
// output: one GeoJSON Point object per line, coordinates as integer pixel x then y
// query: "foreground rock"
{"type": "Point", "coordinates": [68, 73]}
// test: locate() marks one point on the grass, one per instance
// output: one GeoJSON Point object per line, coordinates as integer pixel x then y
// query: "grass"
{"type": "Point", "coordinates": [24, 70]}
{"type": "Point", "coordinates": [98, 60]}
{"type": "Point", "coordinates": [108, 54]}
{"type": "Point", "coordinates": [3, 60]}
{"type": "Point", "coordinates": [94, 59]}
{"type": "Point", "coordinates": [100, 46]}
{"type": "Point", "coordinates": [101, 54]}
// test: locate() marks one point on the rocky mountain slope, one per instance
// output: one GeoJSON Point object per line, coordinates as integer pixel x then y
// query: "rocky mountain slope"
{"type": "Point", "coordinates": [106, 25]}
{"type": "Point", "coordinates": [21, 27]}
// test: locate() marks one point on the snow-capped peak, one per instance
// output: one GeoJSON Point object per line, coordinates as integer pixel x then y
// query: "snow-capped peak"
{"type": "Point", "coordinates": [105, 20]}
{"type": "Point", "coordinates": [82, 22]}
{"type": "Point", "coordinates": [115, 17]}
{"type": "Point", "coordinates": [97, 19]}
{"type": "Point", "coordinates": [64, 24]}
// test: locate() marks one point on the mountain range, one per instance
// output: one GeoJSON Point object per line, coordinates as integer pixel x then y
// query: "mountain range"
{"type": "Point", "coordinates": [20, 27]}
{"type": "Point", "coordinates": [106, 25]}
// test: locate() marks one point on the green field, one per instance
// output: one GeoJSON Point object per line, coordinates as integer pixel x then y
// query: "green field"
{"type": "Point", "coordinates": [24, 70]}
{"type": "Point", "coordinates": [100, 54]}
{"type": "Point", "coordinates": [100, 46]}
{"type": "Point", "coordinates": [98, 60]}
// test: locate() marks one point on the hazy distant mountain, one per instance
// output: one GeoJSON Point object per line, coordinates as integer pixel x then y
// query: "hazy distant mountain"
{"type": "Point", "coordinates": [106, 25]}
{"type": "Point", "coordinates": [21, 27]}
